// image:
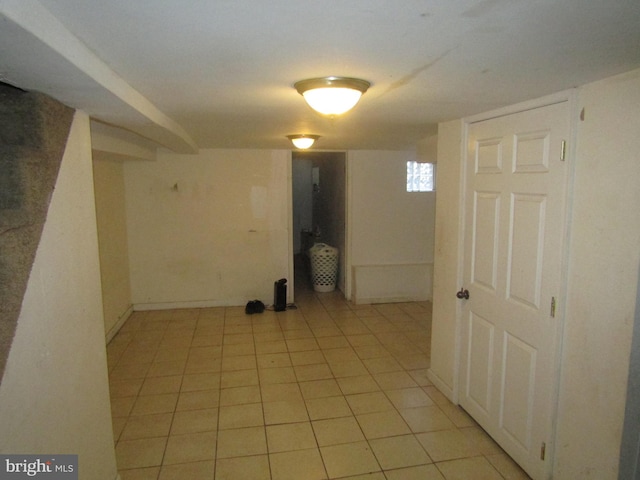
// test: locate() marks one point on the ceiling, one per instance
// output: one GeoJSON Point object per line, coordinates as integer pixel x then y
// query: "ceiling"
{"type": "Point", "coordinates": [219, 74]}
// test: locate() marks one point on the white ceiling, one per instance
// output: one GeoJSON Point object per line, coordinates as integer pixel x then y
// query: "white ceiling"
{"type": "Point", "coordinates": [219, 73]}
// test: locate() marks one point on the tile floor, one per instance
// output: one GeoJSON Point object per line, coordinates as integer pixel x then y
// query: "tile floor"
{"type": "Point", "coordinates": [328, 390]}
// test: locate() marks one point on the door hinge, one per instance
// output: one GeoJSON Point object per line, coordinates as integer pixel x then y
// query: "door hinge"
{"type": "Point", "coordinates": [543, 449]}
{"type": "Point", "coordinates": [563, 150]}
{"type": "Point", "coordinates": [553, 307]}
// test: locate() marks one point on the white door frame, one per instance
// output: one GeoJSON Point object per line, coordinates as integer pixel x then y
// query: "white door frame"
{"type": "Point", "coordinates": [569, 96]}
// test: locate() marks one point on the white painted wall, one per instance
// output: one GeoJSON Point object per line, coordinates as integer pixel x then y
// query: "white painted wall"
{"type": "Point", "coordinates": [54, 397]}
{"type": "Point", "coordinates": [602, 278]}
{"type": "Point", "coordinates": [208, 229]}
{"type": "Point", "coordinates": [389, 228]}
{"type": "Point", "coordinates": [603, 274]}
{"type": "Point", "coordinates": [447, 255]}
{"type": "Point", "coordinates": [108, 177]}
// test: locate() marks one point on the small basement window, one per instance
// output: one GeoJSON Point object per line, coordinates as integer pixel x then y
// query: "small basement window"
{"type": "Point", "coordinates": [420, 177]}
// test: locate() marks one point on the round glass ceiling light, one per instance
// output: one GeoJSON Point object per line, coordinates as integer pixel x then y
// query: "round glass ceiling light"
{"type": "Point", "coordinates": [332, 95]}
{"type": "Point", "coordinates": [303, 141]}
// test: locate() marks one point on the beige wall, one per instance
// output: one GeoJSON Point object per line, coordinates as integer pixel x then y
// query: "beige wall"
{"type": "Point", "coordinates": [208, 229]}
{"type": "Point", "coordinates": [108, 177]}
{"type": "Point", "coordinates": [54, 397]}
{"type": "Point", "coordinates": [391, 231]}
{"type": "Point", "coordinates": [603, 266]}
{"type": "Point", "coordinates": [603, 274]}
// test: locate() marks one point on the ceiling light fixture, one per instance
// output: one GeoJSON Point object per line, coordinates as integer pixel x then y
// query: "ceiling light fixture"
{"type": "Point", "coordinates": [332, 95]}
{"type": "Point", "coordinates": [303, 141]}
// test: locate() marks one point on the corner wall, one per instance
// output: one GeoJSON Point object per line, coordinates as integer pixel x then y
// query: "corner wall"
{"type": "Point", "coordinates": [54, 397]}
{"type": "Point", "coordinates": [108, 179]}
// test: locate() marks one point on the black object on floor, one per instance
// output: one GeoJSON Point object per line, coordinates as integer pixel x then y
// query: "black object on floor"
{"type": "Point", "coordinates": [280, 295]}
{"type": "Point", "coordinates": [254, 306]}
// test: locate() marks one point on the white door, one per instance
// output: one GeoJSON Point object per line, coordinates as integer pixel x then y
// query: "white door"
{"type": "Point", "coordinates": [514, 229]}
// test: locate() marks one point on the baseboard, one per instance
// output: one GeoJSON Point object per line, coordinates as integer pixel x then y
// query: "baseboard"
{"type": "Point", "coordinates": [139, 307]}
{"type": "Point", "coordinates": [116, 328]}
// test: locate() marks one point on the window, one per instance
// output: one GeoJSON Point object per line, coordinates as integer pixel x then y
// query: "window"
{"type": "Point", "coordinates": [420, 177]}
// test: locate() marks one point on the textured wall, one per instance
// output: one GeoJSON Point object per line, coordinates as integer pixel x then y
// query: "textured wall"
{"type": "Point", "coordinates": [33, 133]}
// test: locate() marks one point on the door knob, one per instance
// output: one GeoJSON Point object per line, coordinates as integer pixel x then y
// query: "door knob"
{"type": "Point", "coordinates": [463, 294]}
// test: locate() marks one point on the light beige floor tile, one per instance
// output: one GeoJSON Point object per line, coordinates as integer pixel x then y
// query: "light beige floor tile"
{"type": "Point", "coordinates": [409, 398]}
{"type": "Point", "coordinates": [197, 365]}
{"type": "Point", "coordinates": [240, 378]}
{"type": "Point", "coordinates": [145, 452]}
{"type": "Point", "coordinates": [238, 416]}
{"type": "Point", "coordinates": [301, 344]}
{"type": "Point", "coordinates": [238, 349]}
{"type": "Point", "coordinates": [436, 395]}
{"type": "Point", "coordinates": [170, 354]}
{"type": "Point", "coordinates": [159, 385]}
{"type": "Point", "coordinates": [394, 380]}
{"type": "Point", "coordinates": [201, 339]}
{"type": "Point", "coordinates": [309, 357]}
{"type": "Point", "coordinates": [269, 376]}
{"type": "Point", "coordinates": [150, 404]}
{"type": "Point", "coordinates": [268, 344]}
{"type": "Point", "coordinates": [251, 468]}
{"type": "Point", "coordinates": [285, 411]}
{"type": "Point", "coordinates": [273, 360]}
{"type": "Point", "coordinates": [280, 391]}
{"type": "Point", "coordinates": [236, 338]}
{"type": "Point", "coordinates": [122, 372]}
{"type": "Point", "coordinates": [200, 381]}
{"type": "Point", "coordinates": [147, 426]}
{"type": "Point", "coordinates": [241, 442]}
{"type": "Point", "coordinates": [359, 384]}
{"type": "Point", "coordinates": [297, 465]}
{"type": "Point", "coordinates": [125, 388]}
{"type": "Point", "coordinates": [476, 468]}
{"type": "Point", "coordinates": [192, 471]}
{"type": "Point", "coordinates": [422, 472]}
{"type": "Point", "coordinates": [336, 355]}
{"type": "Point", "coordinates": [507, 467]}
{"type": "Point", "coordinates": [367, 476]}
{"type": "Point", "coordinates": [202, 399]}
{"type": "Point", "coordinates": [446, 445]}
{"type": "Point", "coordinates": [122, 406]}
{"type": "Point", "coordinates": [327, 343]}
{"type": "Point", "coordinates": [371, 351]}
{"type": "Point", "coordinates": [194, 421]}
{"type": "Point", "coordinates": [306, 373]}
{"type": "Point", "coordinates": [150, 473]}
{"type": "Point", "coordinates": [349, 459]}
{"type": "Point", "coordinates": [421, 377]}
{"type": "Point", "coordinates": [457, 415]}
{"type": "Point", "coordinates": [320, 388]}
{"type": "Point", "coordinates": [382, 424]}
{"type": "Point", "coordinates": [426, 419]}
{"type": "Point", "coordinates": [369, 402]}
{"type": "Point", "coordinates": [482, 441]}
{"type": "Point", "coordinates": [161, 369]}
{"type": "Point", "coordinates": [382, 365]}
{"type": "Point", "coordinates": [240, 395]}
{"type": "Point", "coordinates": [238, 362]}
{"type": "Point", "coordinates": [399, 452]}
{"type": "Point", "coordinates": [327, 407]}
{"type": "Point", "coordinates": [352, 368]}
{"type": "Point", "coordinates": [335, 431]}
{"type": "Point", "coordinates": [118, 424]}
{"type": "Point", "coordinates": [362, 340]}
{"type": "Point", "coordinates": [290, 436]}
{"type": "Point", "coordinates": [190, 447]}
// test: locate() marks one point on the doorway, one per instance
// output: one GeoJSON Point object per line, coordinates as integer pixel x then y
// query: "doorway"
{"type": "Point", "coordinates": [319, 210]}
